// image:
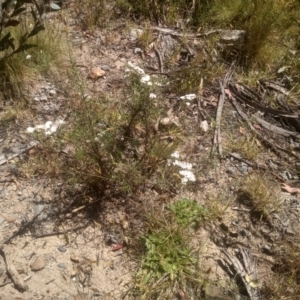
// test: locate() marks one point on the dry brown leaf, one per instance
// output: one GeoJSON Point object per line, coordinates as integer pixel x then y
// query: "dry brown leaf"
{"type": "Point", "coordinates": [228, 93]}
{"type": "Point", "coordinates": [258, 143]}
{"type": "Point", "coordinates": [96, 72]}
{"type": "Point", "coordinates": [256, 126]}
{"type": "Point", "coordinates": [75, 259]}
{"type": "Point", "coordinates": [242, 130]}
{"type": "Point", "coordinates": [289, 189]}
{"type": "Point", "coordinates": [182, 294]}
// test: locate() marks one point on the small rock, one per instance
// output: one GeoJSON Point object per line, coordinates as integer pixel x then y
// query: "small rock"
{"type": "Point", "coordinates": [290, 231]}
{"type": "Point", "coordinates": [75, 259]}
{"type": "Point", "coordinates": [37, 209]}
{"type": "Point", "coordinates": [105, 67]}
{"type": "Point", "coordinates": [267, 250]}
{"type": "Point", "coordinates": [15, 150]}
{"type": "Point", "coordinates": [1, 220]}
{"type": "Point", "coordinates": [111, 239]}
{"type": "Point", "coordinates": [137, 50]}
{"type": "Point", "coordinates": [61, 266]}
{"type": "Point", "coordinates": [244, 169]}
{"type": "Point", "coordinates": [43, 216]}
{"type": "Point", "coordinates": [231, 170]}
{"type": "Point", "coordinates": [14, 170]}
{"type": "Point", "coordinates": [62, 248]}
{"type": "Point", "coordinates": [244, 233]}
{"type": "Point", "coordinates": [135, 33]}
{"type": "Point", "coordinates": [232, 38]}
{"type": "Point", "coordinates": [38, 264]}
{"type": "Point", "coordinates": [43, 98]}
{"type": "Point", "coordinates": [52, 93]}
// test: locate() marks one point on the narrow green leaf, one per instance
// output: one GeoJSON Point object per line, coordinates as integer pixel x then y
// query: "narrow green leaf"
{"type": "Point", "coordinates": [23, 38]}
{"type": "Point", "coordinates": [36, 30]}
{"type": "Point", "coordinates": [11, 23]}
{"type": "Point", "coordinates": [24, 47]}
{"type": "Point", "coordinates": [17, 11]}
{"type": "Point", "coordinates": [6, 42]}
{"type": "Point", "coordinates": [33, 13]}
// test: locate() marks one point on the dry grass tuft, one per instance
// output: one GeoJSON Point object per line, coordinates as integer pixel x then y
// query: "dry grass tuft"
{"type": "Point", "coordinates": [260, 194]}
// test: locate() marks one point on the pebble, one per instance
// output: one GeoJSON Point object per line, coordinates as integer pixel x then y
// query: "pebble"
{"type": "Point", "coordinates": [244, 169]}
{"type": "Point", "coordinates": [267, 249]}
{"type": "Point", "coordinates": [43, 216]}
{"type": "Point", "coordinates": [290, 231]}
{"type": "Point", "coordinates": [61, 266]}
{"type": "Point", "coordinates": [137, 50]}
{"type": "Point", "coordinates": [62, 248]}
{"type": "Point", "coordinates": [43, 98]}
{"type": "Point", "coordinates": [22, 198]}
{"type": "Point", "coordinates": [135, 33]}
{"type": "Point", "coordinates": [105, 67]}
{"type": "Point", "coordinates": [37, 209]}
{"type": "Point", "coordinates": [15, 150]}
{"type": "Point", "coordinates": [231, 170]}
{"type": "Point", "coordinates": [1, 220]}
{"type": "Point", "coordinates": [52, 93]}
{"type": "Point", "coordinates": [14, 170]}
{"type": "Point", "coordinates": [38, 264]}
{"type": "Point", "coordinates": [244, 233]}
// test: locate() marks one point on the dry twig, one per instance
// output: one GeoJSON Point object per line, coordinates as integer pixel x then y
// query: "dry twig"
{"type": "Point", "coordinates": [246, 270]}
{"type": "Point", "coordinates": [12, 272]}
{"type": "Point", "coordinates": [217, 136]}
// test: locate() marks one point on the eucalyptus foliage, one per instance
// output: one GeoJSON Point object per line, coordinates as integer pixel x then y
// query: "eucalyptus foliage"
{"type": "Point", "coordinates": [12, 14]}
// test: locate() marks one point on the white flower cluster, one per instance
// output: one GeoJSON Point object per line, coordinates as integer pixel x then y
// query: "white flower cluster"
{"type": "Point", "coordinates": [186, 168]}
{"type": "Point", "coordinates": [49, 127]}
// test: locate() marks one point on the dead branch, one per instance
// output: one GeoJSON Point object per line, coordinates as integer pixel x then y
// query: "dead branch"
{"type": "Point", "coordinates": [217, 135]}
{"type": "Point", "coordinates": [12, 272]}
{"type": "Point", "coordinates": [246, 271]}
{"type": "Point", "coordinates": [190, 36]}
{"type": "Point", "coordinates": [245, 117]}
{"type": "Point", "coordinates": [62, 232]}
{"type": "Point", "coordinates": [23, 228]}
